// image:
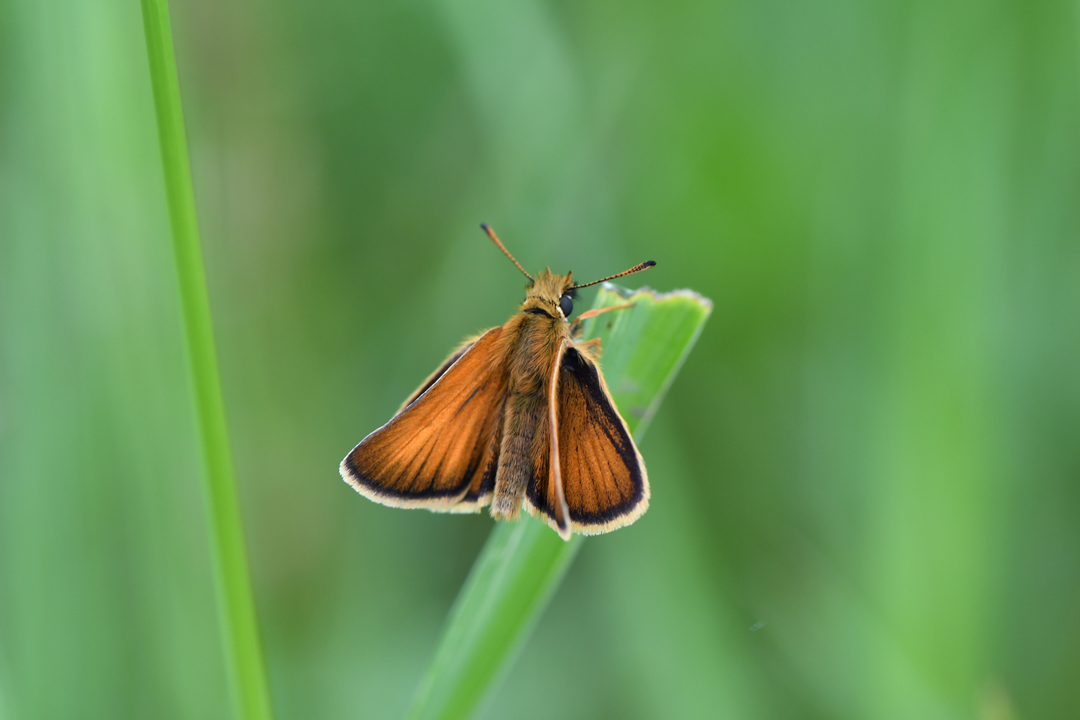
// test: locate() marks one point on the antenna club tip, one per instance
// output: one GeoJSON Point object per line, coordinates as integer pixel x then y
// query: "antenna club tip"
{"type": "Point", "coordinates": [648, 263]}
{"type": "Point", "coordinates": [484, 227]}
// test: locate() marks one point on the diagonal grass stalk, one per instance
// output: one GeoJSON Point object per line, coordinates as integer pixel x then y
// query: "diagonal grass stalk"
{"type": "Point", "coordinates": [522, 564]}
{"type": "Point", "coordinates": [243, 654]}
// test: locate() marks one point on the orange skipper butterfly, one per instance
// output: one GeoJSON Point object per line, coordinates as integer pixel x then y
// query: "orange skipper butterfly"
{"type": "Point", "coordinates": [519, 412]}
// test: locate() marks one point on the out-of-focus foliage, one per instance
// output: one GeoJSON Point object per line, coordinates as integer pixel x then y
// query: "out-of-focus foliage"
{"type": "Point", "coordinates": [865, 481]}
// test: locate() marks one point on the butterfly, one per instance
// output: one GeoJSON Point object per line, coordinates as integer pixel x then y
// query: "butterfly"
{"type": "Point", "coordinates": [519, 414]}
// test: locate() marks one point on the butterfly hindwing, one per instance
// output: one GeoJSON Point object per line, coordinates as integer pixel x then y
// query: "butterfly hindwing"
{"type": "Point", "coordinates": [441, 450]}
{"type": "Point", "coordinates": [603, 478]}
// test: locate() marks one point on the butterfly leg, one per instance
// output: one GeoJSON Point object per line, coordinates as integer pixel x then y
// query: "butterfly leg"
{"type": "Point", "coordinates": [591, 348]}
{"type": "Point", "coordinates": [597, 311]}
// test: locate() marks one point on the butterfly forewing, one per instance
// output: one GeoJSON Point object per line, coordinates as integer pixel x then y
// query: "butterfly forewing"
{"type": "Point", "coordinates": [603, 477]}
{"type": "Point", "coordinates": [441, 450]}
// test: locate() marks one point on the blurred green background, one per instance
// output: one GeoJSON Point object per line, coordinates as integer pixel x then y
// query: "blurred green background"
{"type": "Point", "coordinates": [866, 481]}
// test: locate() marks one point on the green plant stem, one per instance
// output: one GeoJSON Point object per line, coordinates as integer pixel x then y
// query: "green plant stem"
{"type": "Point", "coordinates": [243, 654]}
{"type": "Point", "coordinates": [511, 582]}
{"type": "Point", "coordinates": [523, 562]}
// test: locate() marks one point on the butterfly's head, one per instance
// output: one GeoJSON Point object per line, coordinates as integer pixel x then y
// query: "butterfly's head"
{"type": "Point", "coordinates": [551, 293]}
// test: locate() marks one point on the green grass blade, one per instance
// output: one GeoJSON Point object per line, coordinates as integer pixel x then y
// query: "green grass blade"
{"type": "Point", "coordinates": [523, 563]}
{"type": "Point", "coordinates": [235, 599]}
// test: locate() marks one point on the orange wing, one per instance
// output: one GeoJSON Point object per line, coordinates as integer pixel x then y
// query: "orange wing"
{"type": "Point", "coordinates": [596, 473]}
{"type": "Point", "coordinates": [442, 449]}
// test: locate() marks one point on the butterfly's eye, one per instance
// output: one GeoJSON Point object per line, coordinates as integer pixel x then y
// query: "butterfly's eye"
{"type": "Point", "coordinates": [566, 305]}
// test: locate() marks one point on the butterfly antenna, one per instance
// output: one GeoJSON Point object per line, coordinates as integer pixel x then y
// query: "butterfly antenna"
{"type": "Point", "coordinates": [637, 268]}
{"type": "Point", "coordinates": [495, 239]}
